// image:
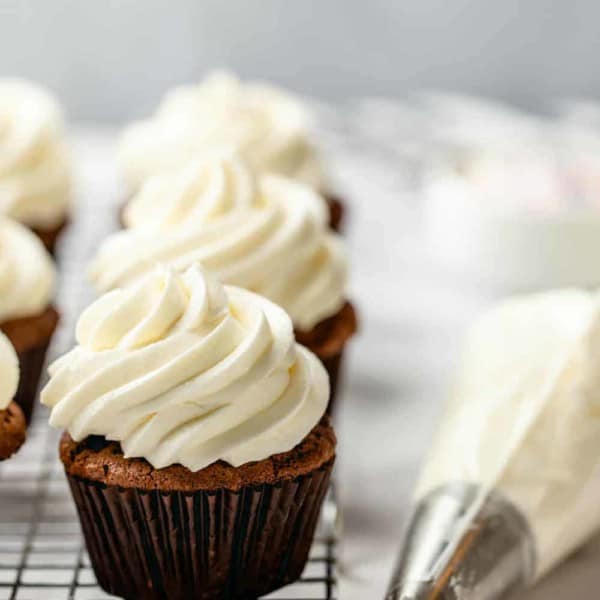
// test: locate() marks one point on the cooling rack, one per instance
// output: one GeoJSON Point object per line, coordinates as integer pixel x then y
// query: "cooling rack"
{"type": "Point", "coordinates": [42, 555]}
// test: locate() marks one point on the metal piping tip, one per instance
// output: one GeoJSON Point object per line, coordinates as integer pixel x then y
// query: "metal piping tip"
{"type": "Point", "coordinates": [458, 547]}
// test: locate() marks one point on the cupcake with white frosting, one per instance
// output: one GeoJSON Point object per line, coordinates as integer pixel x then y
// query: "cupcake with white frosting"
{"type": "Point", "coordinates": [195, 439]}
{"type": "Point", "coordinates": [35, 180]}
{"type": "Point", "coordinates": [267, 126]}
{"type": "Point", "coordinates": [27, 317]}
{"type": "Point", "coordinates": [267, 234]}
{"type": "Point", "coordinates": [12, 421]}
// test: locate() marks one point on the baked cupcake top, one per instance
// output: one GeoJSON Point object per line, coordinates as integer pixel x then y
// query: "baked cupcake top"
{"type": "Point", "coordinates": [27, 273]}
{"type": "Point", "coordinates": [268, 235]}
{"type": "Point", "coordinates": [182, 370]}
{"type": "Point", "coordinates": [9, 372]}
{"type": "Point", "coordinates": [34, 172]}
{"type": "Point", "coordinates": [266, 125]}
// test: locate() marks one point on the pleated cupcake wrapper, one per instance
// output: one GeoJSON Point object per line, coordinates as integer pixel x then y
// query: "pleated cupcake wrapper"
{"type": "Point", "coordinates": [336, 212]}
{"type": "Point", "coordinates": [31, 363]}
{"type": "Point", "coordinates": [333, 366]}
{"type": "Point", "coordinates": [205, 545]}
{"type": "Point", "coordinates": [49, 237]}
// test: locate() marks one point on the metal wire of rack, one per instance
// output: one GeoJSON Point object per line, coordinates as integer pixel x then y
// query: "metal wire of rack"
{"type": "Point", "coordinates": [42, 555]}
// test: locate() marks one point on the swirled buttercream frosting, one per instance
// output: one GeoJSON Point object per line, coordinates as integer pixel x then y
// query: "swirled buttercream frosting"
{"type": "Point", "coordinates": [9, 372]}
{"type": "Point", "coordinates": [27, 273]}
{"type": "Point", "coordinates": [180, 369]}
{"type": "Point", "coordinates": [267, 126]}
{"type": "Point", "coordinates": [268, 235]}
{"type": "Point", "coordinates": [34, 167]}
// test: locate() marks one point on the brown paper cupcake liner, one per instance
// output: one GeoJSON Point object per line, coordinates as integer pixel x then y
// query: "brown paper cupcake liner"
{"type": "Point", "coordinates": [333, 366]}
{"type": "Point", "coordinates": [31, 363]}
{"type": "Point", "coordinates": [30, 336]}
{"type": "Point", "coordinates": [328, 340]}
{"type": "Point", "coordinates": [209, 545]}
{"type": "Point", "coordinates": [49, 237]}
{"type": "Point", "coordinates": [337, 211]}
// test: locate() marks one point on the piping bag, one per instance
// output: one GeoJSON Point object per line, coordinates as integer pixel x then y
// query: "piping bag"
{"type": "Point", "coordinates": [512, 483]}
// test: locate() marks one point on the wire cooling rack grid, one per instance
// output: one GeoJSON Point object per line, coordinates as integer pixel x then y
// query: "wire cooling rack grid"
{"type": "Point", "coordinates": [41, 551]}
{"type": "Point", "coordinates": [42, 556]}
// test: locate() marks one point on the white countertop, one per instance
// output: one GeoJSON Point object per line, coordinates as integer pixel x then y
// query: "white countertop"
{"type": "Point", "coordinates": [412, 323]}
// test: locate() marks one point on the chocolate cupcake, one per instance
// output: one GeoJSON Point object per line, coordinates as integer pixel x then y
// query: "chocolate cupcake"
{"type": "Point", "coordinates": [196, 448]}
{"type": "Point", "coordinates": [267, 234]}
{"type": "Point", "coordinates": [12, 421]}
{"type": "Point", "coordinates": [267, 126]}
{"type": "Point", "coordinates": [35, 183]}
{"type": "Point", "coordinates": [27, 317]}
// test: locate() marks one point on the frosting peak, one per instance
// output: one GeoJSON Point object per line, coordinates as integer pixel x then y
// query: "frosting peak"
{"type": "Point", "coordinates": [9, 372]}
{"type": "Point", "coordinates": [149, 310]}
{"type": "Point", "coordinates": [267, 126]}
{"type": "Point", "coordinates": [27, 273]}
{"type": "Point", "coordinates": [201, 191]}
{"type": "Point", "coordinates": [180, 369]}
{"type": "Point", "coordinates": [269, 236]}
{"type": "Point", "coordinates": [34, 174]}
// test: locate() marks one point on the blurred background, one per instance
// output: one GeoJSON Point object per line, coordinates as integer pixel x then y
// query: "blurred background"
{"type": "Point", "coordinates": [112, 60]}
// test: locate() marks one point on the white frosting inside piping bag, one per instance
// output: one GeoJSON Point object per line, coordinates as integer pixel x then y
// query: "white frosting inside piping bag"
{"type": "Point", "coordinates": [524, 418]}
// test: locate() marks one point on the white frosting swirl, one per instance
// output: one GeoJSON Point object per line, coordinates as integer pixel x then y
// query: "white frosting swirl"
{"type": "Point", "coordinates": [270, 237]}
{"type": "Point", "coordinates": [27, 272]}
{"type": "Point", "coordinates": [9, 372]}
{"type": "Point", "coordinates": [267, 126]}
{"type": "Point", "coordinates": [180, 369]}
{"type": "Point", "coordinates": [34, 172]}
{"type": "Point", "coordinates": [201, 192]}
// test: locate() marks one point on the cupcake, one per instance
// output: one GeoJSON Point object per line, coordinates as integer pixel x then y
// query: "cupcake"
{"type": "Point", "coordinates": [270, 128]}
{"type": "Point", "coordinates": [12, 421]}
{"type": "Point", "coordinates": [196, 448]}
{"type": "Point", "coordinates": [27, 317]}
{"type": "Point", "coordinates": [35, 184]}
{"type": "Point", "coordinates": [267, 234]}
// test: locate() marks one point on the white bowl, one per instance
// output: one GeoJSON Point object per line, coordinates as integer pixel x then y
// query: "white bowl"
{"type": "Point", "coordinates": [511, 250]}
